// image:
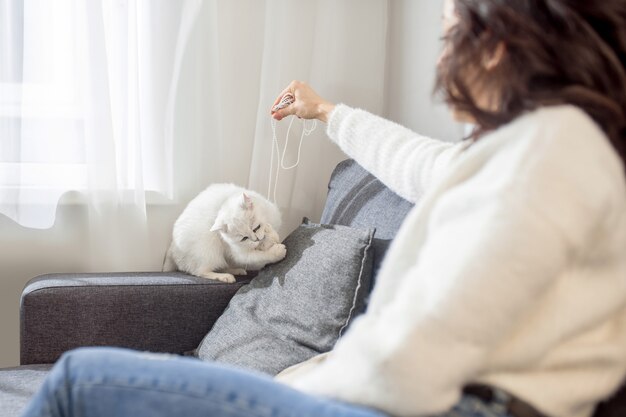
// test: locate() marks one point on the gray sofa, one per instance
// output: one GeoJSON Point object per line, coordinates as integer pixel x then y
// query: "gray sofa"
{"type": "Point", "coordinates": [171, 312]}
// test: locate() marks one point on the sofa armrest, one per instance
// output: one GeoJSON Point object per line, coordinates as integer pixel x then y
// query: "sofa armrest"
{"type": "Point", "coordinates": [153, 311]}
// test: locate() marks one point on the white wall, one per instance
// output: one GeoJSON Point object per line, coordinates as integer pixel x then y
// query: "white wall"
{"type": "Point", "coordinates": [413, 47]}
{"type": "Point", "coordinates": [412, 52]}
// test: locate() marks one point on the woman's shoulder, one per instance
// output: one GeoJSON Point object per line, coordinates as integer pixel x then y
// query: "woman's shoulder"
{"type": "Point", "coordinates": [564, 133]}
{"type": "Point", "coordinates": [560, 123]}
{"type": "Point", "coordinates": [550, 149]}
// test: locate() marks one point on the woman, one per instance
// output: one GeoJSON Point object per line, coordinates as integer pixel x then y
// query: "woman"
{"type": "Point", "coordinates": [504, 293]}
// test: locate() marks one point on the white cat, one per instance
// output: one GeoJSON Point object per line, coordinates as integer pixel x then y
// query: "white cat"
{"type": "Point", "coordinates": [223, 232]}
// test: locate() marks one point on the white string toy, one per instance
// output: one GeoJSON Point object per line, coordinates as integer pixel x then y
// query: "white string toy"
{"type": "Point", "coordinates": [285, 101]}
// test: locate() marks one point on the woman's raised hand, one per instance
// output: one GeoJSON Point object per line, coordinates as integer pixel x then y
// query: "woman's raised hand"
{"type": "Point", "coordinates": [307, 105]}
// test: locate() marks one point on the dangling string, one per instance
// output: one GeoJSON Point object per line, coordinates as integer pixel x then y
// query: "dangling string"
{"type": "Point", "coordinates": [286, 100]}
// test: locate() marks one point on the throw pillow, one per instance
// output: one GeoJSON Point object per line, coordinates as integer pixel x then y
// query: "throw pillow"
{"type": "Point", "coordinates": [297, 308]}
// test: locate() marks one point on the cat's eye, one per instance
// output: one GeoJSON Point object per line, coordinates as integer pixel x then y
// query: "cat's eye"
{"type": "Point", "coordinates": [257, 228]}
{"type": "Point", "coordinates": [243, 239]}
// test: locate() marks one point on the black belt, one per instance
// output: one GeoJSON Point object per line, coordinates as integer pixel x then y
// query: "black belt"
{"type": "Point", "coordinates": [513, 405]}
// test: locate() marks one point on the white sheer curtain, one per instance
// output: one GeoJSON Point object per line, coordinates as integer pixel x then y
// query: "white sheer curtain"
{"type": "Point", "coordinates": [84, 92]}
{"type": "Point", "coordinates": [136, 104]}
{"type": "Point", "coordinates": [338, 46]}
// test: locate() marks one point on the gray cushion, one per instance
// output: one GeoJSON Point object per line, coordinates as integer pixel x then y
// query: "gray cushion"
{"type": "Point", "coordinates": [17, 386]}
{"type": "Point", "coordinates": [358, 199]}
{"type": "Point", "coordinates": [296, 308]}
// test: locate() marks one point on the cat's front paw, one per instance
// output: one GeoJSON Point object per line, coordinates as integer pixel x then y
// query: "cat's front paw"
{"type": "Point", "coordinates": [270, 238]}
{"type": "Point", "coordinates": [218, 276]}
{"type": "Point", "coordinates": [278, 252]}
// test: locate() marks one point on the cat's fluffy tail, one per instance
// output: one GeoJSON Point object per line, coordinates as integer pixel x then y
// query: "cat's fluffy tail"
{"type": "Point", "coordinates": [168, 262]}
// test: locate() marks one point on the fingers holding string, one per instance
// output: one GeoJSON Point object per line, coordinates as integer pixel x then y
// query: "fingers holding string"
{"type": "Point", "coordinates": [288, 109]}
{"type": "Point", "coordinates": [283, 108]}
{"type": "Point", "coordinates": [287, 90]}
{"type": "Point", "coordinates": [304, 103]}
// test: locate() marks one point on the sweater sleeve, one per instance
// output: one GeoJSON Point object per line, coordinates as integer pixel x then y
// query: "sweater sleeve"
{"type": "Point", "coordinates": [404, 161]}
{"type": "Point", "coordinates": [497, 244]}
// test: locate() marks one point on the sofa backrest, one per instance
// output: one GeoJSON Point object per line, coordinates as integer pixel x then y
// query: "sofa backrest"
{"type": "Point", "coordinates": [356, 198]}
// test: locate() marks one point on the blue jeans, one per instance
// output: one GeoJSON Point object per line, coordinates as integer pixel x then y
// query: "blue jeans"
{"type": "Point", "coordinates": [105, 382]}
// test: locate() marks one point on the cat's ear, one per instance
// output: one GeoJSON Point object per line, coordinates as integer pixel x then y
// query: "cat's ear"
{"type": "Point", "coordinates": [219, 226]}
{"type": "Point", "coordinates": [246, 202]}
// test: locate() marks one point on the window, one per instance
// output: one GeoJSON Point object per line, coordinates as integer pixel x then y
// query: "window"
{"type": "Point", "coordinates": [41, 124]}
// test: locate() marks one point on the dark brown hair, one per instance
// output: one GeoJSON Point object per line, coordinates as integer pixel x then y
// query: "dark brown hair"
{"type": "Point", "coordinates": [557, 52]}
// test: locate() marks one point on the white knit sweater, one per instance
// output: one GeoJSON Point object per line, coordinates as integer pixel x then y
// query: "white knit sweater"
{"type": "Point", "coordinates": [510, 271]}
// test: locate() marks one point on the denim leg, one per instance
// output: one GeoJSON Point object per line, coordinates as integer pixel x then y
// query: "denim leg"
{"type": "Point", "coordinates": [105, 382]}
